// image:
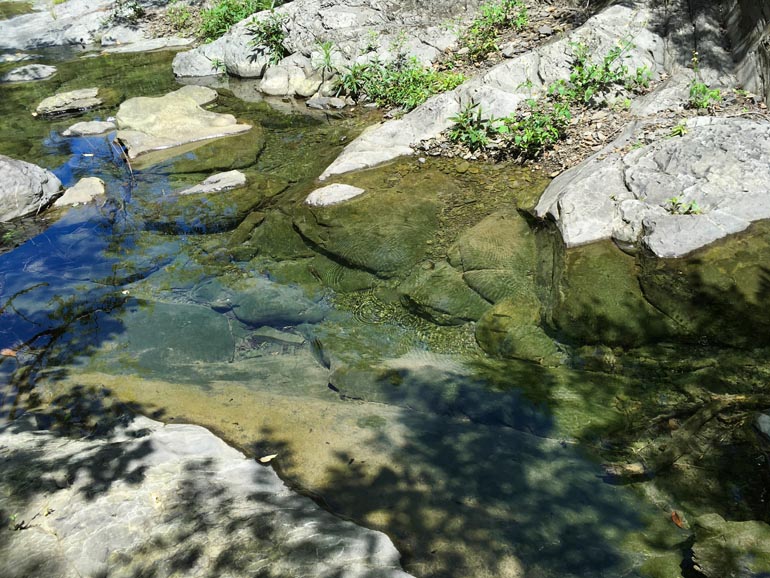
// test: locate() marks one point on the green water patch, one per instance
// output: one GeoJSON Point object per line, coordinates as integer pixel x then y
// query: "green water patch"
{"type": "Point", "coordinates": [10, 9]}
{"type": "Point", "coordinates": [118, 76]}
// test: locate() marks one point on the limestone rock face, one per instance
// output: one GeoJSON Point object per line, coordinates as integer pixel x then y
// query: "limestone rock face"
{"type": "Point", "coordinates": [358, 30]}
{"type": "Point", "coordinates": [149, 498]}
{"type": "Point", "coordinates": [672, 196]}
{"type": "Point", "coordinates": [72, 22]}
{"type": "Point", "coordinates": [25, 188]}
{"type": "Point", "coordinates": [504, 87]}
{"type": "Point", "coordinates": [157, 123]}
{"type": "Point", "coordinates": [29, 72]}
{"type": "Point", "coordinates": [71, 101]}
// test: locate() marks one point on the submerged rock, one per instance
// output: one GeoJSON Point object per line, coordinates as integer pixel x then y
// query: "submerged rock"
{"type": "Point", "coordinates": [672, 196]}
{"type": "Point", "coordinates": [86, 190]}
{"type": "Point", "coordinates": [147, 497]}
{"type": "Point", "coordinates": [25, 188]}
{"type": "Point", "coordinates": [199, 211]}
{"type": "Point", "coordinates": [725, 548]}
{"type": "Point", "coordinates": [218, 183]}
{"type": "Point", "coordinates": [29, 72]}
{"type": "Point", "coordinates": [68, 102]}
{"type": "Point", "coordinates": [384, 233]}
{"type": "Point", "coordinates": [162, 123]}
{"type": "Point", "coordinates": [89, 127]}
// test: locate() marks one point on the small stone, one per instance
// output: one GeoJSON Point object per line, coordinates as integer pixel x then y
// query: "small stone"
{"type": "Point", "coordinates": [545, 30]}
{"type": "Point", "coordinates": [89, 128]}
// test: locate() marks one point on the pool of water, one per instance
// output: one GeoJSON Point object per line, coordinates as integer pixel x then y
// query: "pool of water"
{"type": "Point", "coordinates": [238, 314]}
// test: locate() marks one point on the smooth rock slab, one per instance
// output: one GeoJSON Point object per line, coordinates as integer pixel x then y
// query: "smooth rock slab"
{"type": "Point", "coordinates": [218, 183]}
{"type": "Point", "coordinates": [72, 101]}
{"type": "Point", "coordinates": [29, 72]}
{"type": "Point", "coordinates": [90, 127]}
{"type": "Point", "coordinates": [148, 499]}
{"type": "Point", "coordinates": [158, 123]}
{"type": "Point", "coordinates": [85, 191]}
{"type": "Point", "coordinates": [333, 194]}
{"type": "Point", "coordinates": [149, 44]}
{"type": "Point", "coordinates": [25, 188]}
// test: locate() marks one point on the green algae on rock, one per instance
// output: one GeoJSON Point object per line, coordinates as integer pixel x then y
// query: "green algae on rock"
{"type": "Point", "coordinates": [383, 232]}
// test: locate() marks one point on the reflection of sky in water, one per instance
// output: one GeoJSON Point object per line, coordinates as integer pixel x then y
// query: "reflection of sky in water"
{"type": "Point", "coordinates": [90, 251]}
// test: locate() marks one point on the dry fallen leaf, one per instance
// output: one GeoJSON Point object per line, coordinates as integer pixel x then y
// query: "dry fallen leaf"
{"type": "Point", "coordinates": [677, 519]}
{"type": "Point", "coordinates": [268, 459]}
{"type": "Point", "coordinates": [8, 352]}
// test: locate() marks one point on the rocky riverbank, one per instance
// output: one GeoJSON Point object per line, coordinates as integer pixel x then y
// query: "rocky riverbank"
{"type": "Point", "coordinates": [377, 323]}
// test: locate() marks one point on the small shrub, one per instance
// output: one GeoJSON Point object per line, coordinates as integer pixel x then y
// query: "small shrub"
{"type": "Point", "coordinates": [701, 96]}
{"type": "Point", "coordinates": [218, 19]}
{"type": "Point", "coordinates": [403, 83]}
{"type": "Point", "coordinates": [325, 63]}
{"type": "Point", "coordinates": [179, 15]}
{"type": "Point", "coordinates": [268, 35]}
{"type": "Point", "coordinates": [471, 129]}
{"type": "Point", "coordinates": [126, 12]}
{"type": "Point", "coordinates": [678, 206]}
{"type": "Point", "coordinates": [483, 33]}
{"type": "Point", "coordinates": [532, 131]}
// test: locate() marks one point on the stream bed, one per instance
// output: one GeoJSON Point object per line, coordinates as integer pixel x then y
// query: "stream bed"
{"type": "Point", "coordinates": [321, 336]}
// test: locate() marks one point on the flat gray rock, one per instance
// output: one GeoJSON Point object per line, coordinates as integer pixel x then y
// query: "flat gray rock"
{"type": "Point", "coordinates": [90, 127]}
{"type": "Point", "coordinates": [84, 191]}
{"type": "Point", "coordinates": [25, 188]}
{"type": "Point", "coordinates": [72, 101]}
{"type": "Point", "coordinates": [28, 73]}
{"type": "Point", "coordinates": [149, 44]}
{"type": "Point", "coordinates": [333, 194]}
{"type": "Point", "coordinates": [157, 123]}
{"type": "Point", "coordinates": [674, 195]}
{"type": "Point", "coordinates": [147, 498]}
{"type": "Point", "coordinates": [218, 183]}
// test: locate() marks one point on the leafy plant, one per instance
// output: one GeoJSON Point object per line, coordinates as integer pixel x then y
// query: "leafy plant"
{"type": "Point", "coordinates": [268, 35]}
{"type": "Point", "coordinates": [701, 96]}
{"type": "Point", "coordinates": [403, 82]}
{"type": "Point", "coordinates": [126, 12]}
{"type": "Point", "coordinates": [530, 132]}
{"type": "Point", "coordinates": [325, 61]}
{"type": "Point", "coordinates": [483, 33]}
{"type": "Point", "coordinates": [471, 128]}
{"type": "Point", "coordinates": [678, 206]}
{"type": "Point", "coordinates": [679, 129]}
{"type": "Point", "coordinates": [219, 66]}
{"type": "Point", "coordinates": [587, 77]}
{"type": "Point", "coordinates": [223, 15]}
{"type": "Point", "coordinates": [179, 15]}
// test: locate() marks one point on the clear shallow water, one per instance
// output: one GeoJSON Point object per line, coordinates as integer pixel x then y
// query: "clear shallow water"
{"type": "Point", "coordinates": [472, 466]}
